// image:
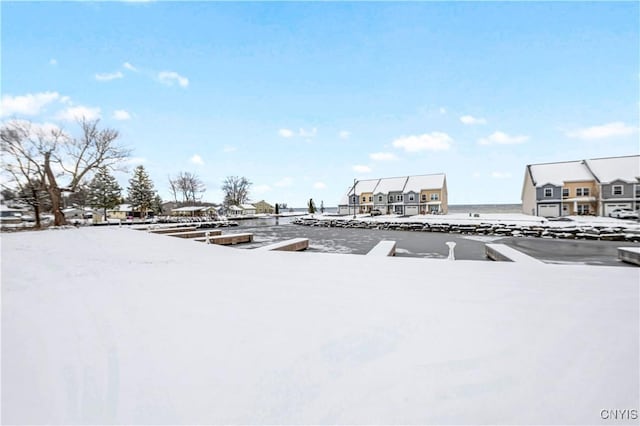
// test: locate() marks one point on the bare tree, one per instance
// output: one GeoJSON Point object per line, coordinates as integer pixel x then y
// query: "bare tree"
{"type": "Point", "coordinates": [189, 185]}
{"type": "Point", "coordinates": [236, 190]}
{"type": "Point", "coordinates": [61, 160]}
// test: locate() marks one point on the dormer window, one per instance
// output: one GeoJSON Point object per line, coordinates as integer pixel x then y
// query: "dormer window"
{"type": "Point", "coordinates": [617, 190]}
{"type": "Point", "coordinates": [548, 192]}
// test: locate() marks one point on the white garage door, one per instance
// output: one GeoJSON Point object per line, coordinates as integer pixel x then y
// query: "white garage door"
{"type": "Point", "coordinates": [411, 210]}
{"type": "Point", "coordinates": [549, 210]}
{"type": "Point", "coordinates": [608, 208]}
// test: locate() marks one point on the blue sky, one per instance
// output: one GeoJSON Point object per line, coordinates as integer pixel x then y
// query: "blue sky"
{"type": "Point", "coordinates": [301, 98]}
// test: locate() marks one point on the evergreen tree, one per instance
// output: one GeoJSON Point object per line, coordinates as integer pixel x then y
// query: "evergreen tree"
{"type": "Point", "coordinates": [156, 206]}
{"type": "Point", "coordinates": [140, 191]}
{"type": "Point", "coordinates": [312, 206]}
{"type": "Point", "coordinates": [104, 191]}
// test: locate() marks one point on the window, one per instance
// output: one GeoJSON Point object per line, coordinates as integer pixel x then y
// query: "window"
{"type": "Point", "coordinates": [583, 209]}
{"type": "Point", "coordinates": [354, 199]}
{"type": "Point", "coordinates": [565, 192]}
{"type": "Point", "coordinates": [364, 199]}
{"type": "Point", "coordinates": [379, 198]}
{"type": "Point", "coordinates": [434, 197]}
{"type": "Point", "coordinates": [424, 197]}
{"type": "Point", "coordinates": [548, 192]}
{"type": "Point", "coordinates": [618, 190]}
{"type": "Point", "coordinates": [411, 197]}
{"type": "Point", "coordinates": [637, 191]}
{"type": "Point", "coordinates": [391, 198]}
{"type": "Point", "coordinates": [580, 192]}
{"type": "Point", "coordinates": [399, 197]}
{"type": "Point", "coordinates": [370, 199]}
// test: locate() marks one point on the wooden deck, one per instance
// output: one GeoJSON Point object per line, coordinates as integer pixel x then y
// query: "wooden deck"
{"type": "Point", "coordinates": [227, 239]}
{"type": "Point", "coordinates": [171, 230]}
{"type": "Point", "coordinates": [294, 244]}
{"type": "Point", "coordinates": [383, 248]}
{"type": "Point", "coordinates": [195, 234]}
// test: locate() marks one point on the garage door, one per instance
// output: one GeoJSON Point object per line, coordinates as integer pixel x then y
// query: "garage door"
{"type": "Point", "coordinates": [608, 208]}
{"type": "Point", "coordinates": [411, 210]}
{"type": "Point", "coordinates": [549, 210]}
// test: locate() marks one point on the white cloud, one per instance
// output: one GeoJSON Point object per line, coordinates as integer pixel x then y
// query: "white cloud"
{"type": "Point", "coordinates": [260, 189]}
{"type": "Point", "coordinates": [169, 78]}
{"type": "Point", "coordinates": [130, 67]}
{"type": "Point", "coordinates": [284, 182]}
{"type": "Point", "coordinates": [229, 148]}
{"type": "Point", "coordinates": [79, 112]}
{"type": "Point", "coordinates": [500, 175]}
{"type": "Point", "coordinates": [361, 169]}
{"type": "Point", "coordinates": [121, 114]}
{"type": "Point", "coordinates": [319, 185]}
{"type": "Point", "coordinates": [383, 156]}
{"type": "Point", "coordinates": [434, 141]}
{"type": "Point", "coordinates": [30, 104]}
{"type": "Point", "coordinates": [617, 128]}
{"type": "Point", "coordinates": [53, 62]}
{"type": "Point", "coordinates": [443, 110]}
{"type": "Point", "coordinates": [109, 76]}
{"type": "Point", "coordinates": [196, 159]}
{"type": "Point", "coordinates": [344, 134]}
{"type": "Point", "coordinates": [470, 120]}
{"type": "Point", "coordinates": [501, 138]}
{"type": "Point", "coordinates": [285, 133]}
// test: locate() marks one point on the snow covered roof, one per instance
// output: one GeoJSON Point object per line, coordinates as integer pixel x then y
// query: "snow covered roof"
{"type": "Point", "coordinates": [122, 208]}
{"type": "Point", "coordinates": [235, 208]}
{"type": "Point", "coordinates": [365, 186]}
{"type": "Point", "coordinates": [616, 168]}
{"type": "Point", "coordinates": [193, 209]}
{"type": "Point", "coordinates": [387, 185]}
{"type": "Point", "coordinates": [247, 206]}
{"type": "Point", "coordinates": [418, 183]}
{"type": "Point", "coordinates": [558, 173]}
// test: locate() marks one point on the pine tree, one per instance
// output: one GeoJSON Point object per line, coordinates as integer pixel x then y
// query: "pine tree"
{"type": "Point", "coordinates": [104, 191]}
{"type": "Point", "coordinates": [141, 192]}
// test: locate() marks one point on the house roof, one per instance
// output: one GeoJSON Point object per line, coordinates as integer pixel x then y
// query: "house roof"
{"type": "Point", "coordinates": [616, 168]}
{"type": "Point", "coordinates": [387, 185]}
{"type": "Point", "coordinates": [557, 173]}
{"type": "Point", "coordinates": [247, 206]}
{"type": "Point", "coordinates": [193, 209]}
{"type": "Point", "coordinates": [418, 183]}
{"type": "Point", "coordinates": [364, 186]}
{"type": "Point", "coordinates": [235, 208]}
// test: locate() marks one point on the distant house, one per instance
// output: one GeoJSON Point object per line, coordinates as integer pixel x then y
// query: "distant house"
{"type": "Point", "coordinates": [262, 207]}
{"type": "Point", "coordinates": [195, 211]}
{"type": "Point", "coordinates": [10, 214]}
{"type": "Point", "coordinates": [124, 211]}
{"type": "Point", "coordinates": [248, 209]}
{"type": "Point", "coordinates": [406, 195]}
{"type": "Point", "coordinates": [582, 187]}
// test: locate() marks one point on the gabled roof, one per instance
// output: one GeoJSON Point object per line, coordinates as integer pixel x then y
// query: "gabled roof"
{"type": "Point", "coordinates": [557, 173]}
{"type": "Point", "coordinates": [247, 206]}
{"type": "Point", "coordinates": [616, 168]}
{"type": "Point", "coordinates": [387, 185]}
{"type": "Point", "coordinates": [193, 209]}
{"type": "Point", "coordinates": [418, 183]}
{"type": "Point", "coordinates": [364, 186]}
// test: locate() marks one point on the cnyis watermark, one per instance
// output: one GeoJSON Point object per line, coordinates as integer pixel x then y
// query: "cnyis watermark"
{"type": "Point", "coordinates": [611, 414]}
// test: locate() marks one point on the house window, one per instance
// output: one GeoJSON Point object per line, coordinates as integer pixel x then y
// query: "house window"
{"type": "Point", "coordinates": [391, 198]}
{"type": "Point", "coordinates": [434, 197]}
{"type": "Point", "coordinates": [565, 192]}
{"type": "Point", "coordinates": [370, 199]}
{"type": "Point", "coordinates": [580, 192]}
{"type": "Point", "coordinates": [354, 199]}
{"type": "Point", "coordinates": [399, 197]}
{"type": "Point", "coordinates": [618, 190]}
{"type": "Point", "coordinates": [583, 209]}
{"type": "Point", "coordinates": [411, 197]}
{"type": "Point", "coordinates": [379, 198]}
{"type": "Point", "coordinates": [424, 197]}
{"type": "Point", "coordinates": [637, 191]}
{"type": "Point", "coordinates": [364, 199]}
{"type": "Point", "coordinates": [548, 192]}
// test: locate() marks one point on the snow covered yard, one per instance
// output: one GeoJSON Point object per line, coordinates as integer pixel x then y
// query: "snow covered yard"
{"type": "Point", "coordinates": [113, 325]}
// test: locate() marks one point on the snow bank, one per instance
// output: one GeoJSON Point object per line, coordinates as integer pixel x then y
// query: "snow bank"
{"type": "Point", "coordinates": [113, 325]}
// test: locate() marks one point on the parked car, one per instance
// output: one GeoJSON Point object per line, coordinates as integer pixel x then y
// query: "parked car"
{"type": "Point", "coordinates": [624, 214]}
{"type": "Point", "coordinates": [376, 212]}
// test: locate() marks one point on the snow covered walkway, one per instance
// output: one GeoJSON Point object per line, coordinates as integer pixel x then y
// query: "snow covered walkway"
{"type": "Point", "coordinates": [112, 325]}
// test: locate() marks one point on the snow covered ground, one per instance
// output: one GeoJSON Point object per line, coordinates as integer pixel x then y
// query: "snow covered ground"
{"type": "Point", "coordinates": [114, 325]}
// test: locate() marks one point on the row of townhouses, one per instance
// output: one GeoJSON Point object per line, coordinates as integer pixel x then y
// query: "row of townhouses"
{"type": "Point", "coordinates": [584, 187]}
{"type": "Point", "coordinates": [407, 195]}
